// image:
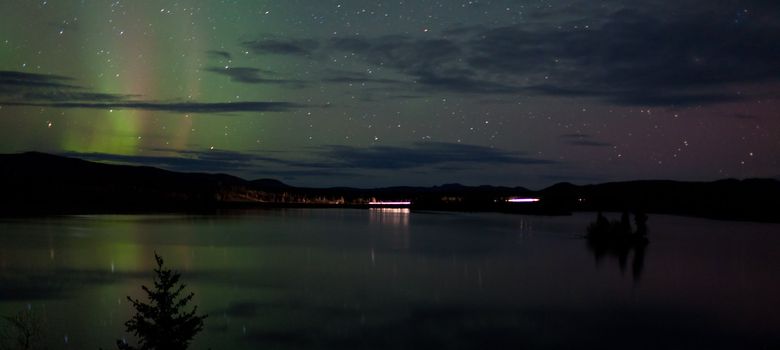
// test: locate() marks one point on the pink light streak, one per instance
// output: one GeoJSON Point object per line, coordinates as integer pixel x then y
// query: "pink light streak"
{"type": "Point", "coordinates": [522, 200]}
{"type": "Point", "coordinates": [389, 203]}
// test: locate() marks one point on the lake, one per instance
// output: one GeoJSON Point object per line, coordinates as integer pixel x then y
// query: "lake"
{"type": "Point", "coordinates": [391, 279]}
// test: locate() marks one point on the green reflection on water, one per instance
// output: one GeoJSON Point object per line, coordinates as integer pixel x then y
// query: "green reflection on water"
{"type": "Point", "coordinates": [367, 279]}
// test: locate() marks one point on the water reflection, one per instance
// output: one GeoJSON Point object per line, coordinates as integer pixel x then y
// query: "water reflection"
{"type": "Point", "coordinates": [398, 217]}
{"type": "Point", "coordinates": [617, 239]}
{"type": "Point", "coordinates": [389, 279]}
{"type": "Point", "coordinates": [394, 220]}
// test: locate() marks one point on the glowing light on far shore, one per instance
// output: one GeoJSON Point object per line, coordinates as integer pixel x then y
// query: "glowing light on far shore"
{"type": "Point", "coordinates": [399, 211]}
{"type": "Point", "coordinates": [390, 203]}
{"type": "Point", "coordinates": [522, 200]}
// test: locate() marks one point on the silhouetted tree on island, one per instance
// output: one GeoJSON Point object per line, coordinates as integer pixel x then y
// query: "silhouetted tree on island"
{"type": "Point", "coordinates": [162, 324]}
{"type": "Point", "coordinates": [616, 238]}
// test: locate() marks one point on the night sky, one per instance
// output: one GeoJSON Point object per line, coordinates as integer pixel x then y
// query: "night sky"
{"type": "Point", "coordinates": [378, 93]}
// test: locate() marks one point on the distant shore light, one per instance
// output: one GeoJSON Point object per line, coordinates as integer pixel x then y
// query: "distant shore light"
{"type": "Point", "coordinates": [522, 200]}
{"type": "Point", "coordinates": [390, 203]}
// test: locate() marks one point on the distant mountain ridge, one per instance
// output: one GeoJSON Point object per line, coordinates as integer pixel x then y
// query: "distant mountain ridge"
{"type": "Point", "coordinates": [40, 183]}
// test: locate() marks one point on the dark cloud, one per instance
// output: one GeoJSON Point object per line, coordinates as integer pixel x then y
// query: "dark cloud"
{"type": "Point", "coordinates": [414, 55]}
{"type": "Point", "coordinates": [299, 47]}
{"type": "Point", "coordinates": [43, 90]}
{"type": "Point", "coordinates": [249, 75]}
{"type": "Point", "coordinates": [175, 107]}
{"type": "Point", "coordinates": [634, 58]}
{"type": "Point", "coordinates": [466, 82]}
{"type": "Point", "coordinates": [430, 63]}
{"type": "Point", "coordinates": [646, 97]}
{"type": "Point", "coordinates": [343, 76]}
{"type": "Point", "coordinates": [21, 86]}
{"type": "Point", "coordinates": [220, 54]}
{"type": "Point", "coordinates": [624, 57]}
{"type": "Point", "coordinates": [64, 96]}
{"type": "Point", "coordinates": [662, 98]}
{"type": "Point", "coordinates": [427, 63]}
{"type": "Point", "coordinates": [253, 76]}
{"type": "Point", "coordinates": [327, 161]}
{"type": "Point", "coordinates": [17, 80]}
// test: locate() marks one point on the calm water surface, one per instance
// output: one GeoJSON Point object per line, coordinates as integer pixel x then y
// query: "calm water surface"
{"type": "Point", "coordinates": [371, 279]}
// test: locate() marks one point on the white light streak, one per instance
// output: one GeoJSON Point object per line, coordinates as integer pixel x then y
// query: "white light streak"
{"type": "Point", "coordinates": [522, 200]}
{"type": "Point", "coordinates": [389, 203]}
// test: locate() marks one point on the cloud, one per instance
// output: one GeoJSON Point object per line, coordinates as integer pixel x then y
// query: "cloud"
{"type": "Point", "coordinates": [22, 86]}
{"type": "Point", "coordinates": [623, 55]}
{"type": "Point", "coordinates": [220, 54]}
{"type": "Point", "coordinates": [297, 47]}
{"type": "Point", "coordinates": [46, 90]}
{"type": "Point", "coordinates": [634, 58]}
{"type": "Point", "coordinates": [325, 161]}
{"type": "Point", "coordinates": [418, 155]}
{"type": "Point", "coordinates": [426, 63]}
{"type": "Point", "coordinates": [250, 75]}
{"type": "Point", "coordinates": [464, 83]}
{"type": "Point", "coordinates": [646, 97]}
{"type": "Point", "coordinates": [174, 107]}
{"type": "Point", "coordinates": [253, 76]}
{"type": "Point", "coordinates": [64, 96]}
{"type": "Point", "coordinates": [344, 76]}
{"type": "Point", "coordinates": [405, 52]}
{"type": "Point", "coordinates": [17, 80]}
{"type": "Point", "coordinates": [434, 64]}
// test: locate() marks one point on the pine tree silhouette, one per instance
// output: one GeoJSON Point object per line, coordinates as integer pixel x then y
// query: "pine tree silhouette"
{"type": "Point", "coordinates": [161, 324]}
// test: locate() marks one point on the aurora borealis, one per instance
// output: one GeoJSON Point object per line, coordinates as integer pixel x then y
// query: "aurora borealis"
{"type": "Point", "coordinates": [380, 93]}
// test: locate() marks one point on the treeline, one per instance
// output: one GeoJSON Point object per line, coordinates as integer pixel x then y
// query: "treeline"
{"type": "Point", "coordinates": [37, 183]}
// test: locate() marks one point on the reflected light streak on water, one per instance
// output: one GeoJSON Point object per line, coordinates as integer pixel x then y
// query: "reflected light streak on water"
{"type": "Point", "coordinates": [312, 279]}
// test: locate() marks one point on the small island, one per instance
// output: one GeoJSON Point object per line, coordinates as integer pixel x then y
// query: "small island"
{"type": "Point", "coordinates": [618, 238]}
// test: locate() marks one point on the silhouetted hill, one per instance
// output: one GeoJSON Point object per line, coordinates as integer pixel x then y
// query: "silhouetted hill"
{"type": "Point", "coordinates": [38, 183]}
{"type": "Point", "coordinates": [270, 184]}
{"type": "Point", "coordinates": [750, 199]}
